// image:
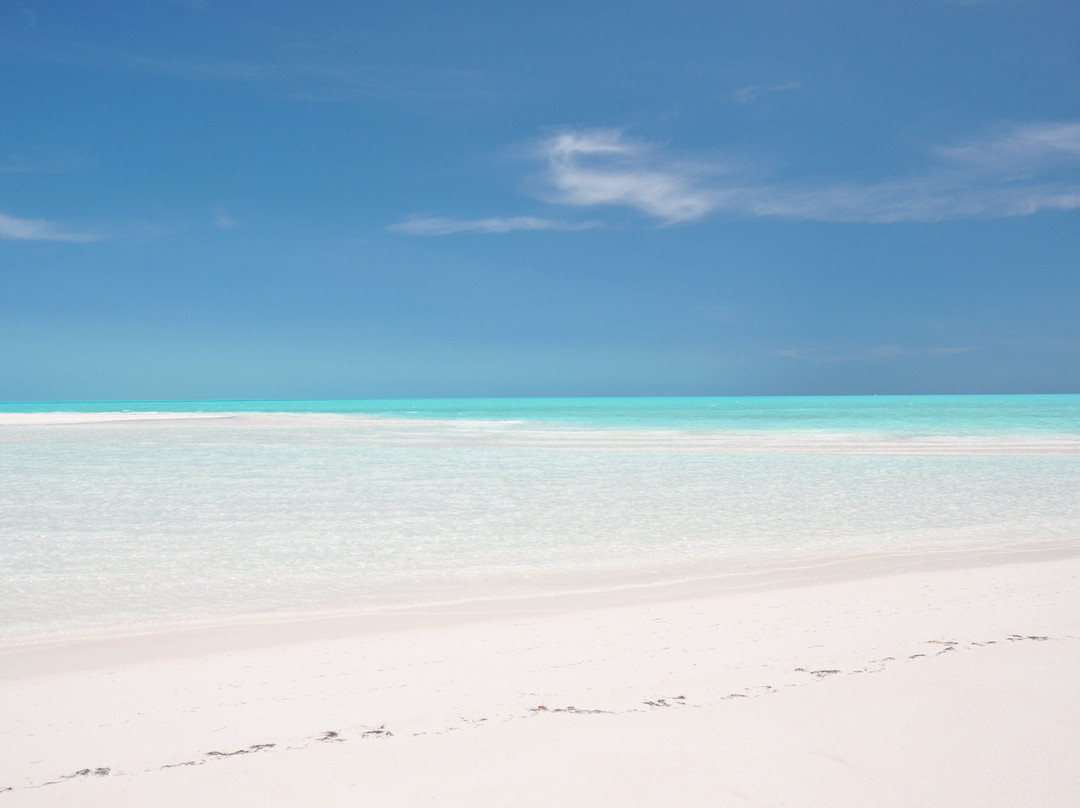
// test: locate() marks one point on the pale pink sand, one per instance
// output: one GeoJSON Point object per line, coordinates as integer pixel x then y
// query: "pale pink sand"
{"type": "Point", "coordinates": [931, 687]}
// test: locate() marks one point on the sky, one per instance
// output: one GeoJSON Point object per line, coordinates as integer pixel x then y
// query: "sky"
{"type": "Point", "coordinates": [251, 200]}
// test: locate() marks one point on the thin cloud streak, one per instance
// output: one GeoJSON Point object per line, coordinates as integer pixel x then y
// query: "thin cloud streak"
{"type": "Point", "coordinates": [1019, 148]}
{"type": "Point", "coordinates": [16, 229]}
{"type": "Point", "coordinates": [746, 95]}
{"type": "Point", "coordinates": [39, 161]}
{"type": "Point", "coordinates": [924, 199]}
{"type": "Point", "coordinates": [954, 351]}
{"type": "Point", "coordinates": [872, 355]}
{"type": "Point", "coordinates": [344, 81]}
{"type": "Point", "coordinates": [443, 226]}
{"type": "Point", "coordinates": [16, 166]}
{"type": "Point", "coordinates": [1017, 172]}
{"type": "Point", "coordinates": [222, 220]}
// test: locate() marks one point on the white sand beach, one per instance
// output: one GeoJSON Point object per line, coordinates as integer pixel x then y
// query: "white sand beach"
{"type": "Point", "coordinates": [932, 681]}
{"type": "Point", "coordinates": [495, 405]}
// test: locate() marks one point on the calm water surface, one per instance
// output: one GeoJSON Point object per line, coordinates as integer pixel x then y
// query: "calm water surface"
{"type": "Point", "coordinates": [296, 507]}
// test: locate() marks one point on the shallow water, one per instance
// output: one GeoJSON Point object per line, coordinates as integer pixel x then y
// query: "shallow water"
{"type": "Point", "coordinates": [131, 520]}
{"type": "Point", "coordinates": [899, 415]}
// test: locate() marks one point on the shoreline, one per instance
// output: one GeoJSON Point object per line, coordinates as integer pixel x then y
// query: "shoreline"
{"type": "Point", "coordinates": [525, 433]}
{"type": "Point", "coordinates": [252, 630]}
{"type": "Point", "coordinates": [312, 702]}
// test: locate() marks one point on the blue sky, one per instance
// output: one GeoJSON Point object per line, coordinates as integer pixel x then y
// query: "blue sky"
{"type": "Point", "coordinates": [210, 199]}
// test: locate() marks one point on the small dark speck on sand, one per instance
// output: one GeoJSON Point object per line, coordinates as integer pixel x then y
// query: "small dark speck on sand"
{"type": "Point", "coordinates": [254, 748]}
{"type": "Point", "coordinates": [571, 709]}
{"type": "Point", "coordinates": [664, 701]}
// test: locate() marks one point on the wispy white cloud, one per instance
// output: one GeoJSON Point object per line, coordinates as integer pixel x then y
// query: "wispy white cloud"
{"type": "Point", "coordinates": [922, 199]}
{"type": "Point", "coordinates": [186, 66]}
{"type": "Point", "coordinates": [222, 220]}
{"type": "Point", "coordinates": [1019, 148]}
{"type": "Point", "coordinates": [14, 228]}
{"type": "Point", "coordinates": [344, 80]}
{"type": "Point", "coordinates": [443, 226]}
{"type": "Point", "coordinates": [194, 67]}
{"type": "Point", "coordinates": [817, 355]}
{"type": "Point", "coordinates": [1017, 171]}
{"type": "Point", "coordinates": [958, 350]}
{"type": "Point", "coordinates": [603, 167]}
{"type": "Point", "coordinates": [459, 89]}
{"type": "Point", "coordinates": [16, 165]}
{"type": "Point", "coordinates": [745, 95]}
{"type": "Point", "coordinates": [882, 352]}
{"type": "Point", "coordinates": [39, 161]}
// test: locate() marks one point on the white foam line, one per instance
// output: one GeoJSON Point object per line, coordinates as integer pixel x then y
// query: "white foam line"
{"type": "Point", "coordinates": [384, 430]}
{"type": "Point", "coordinates": [58, 418]}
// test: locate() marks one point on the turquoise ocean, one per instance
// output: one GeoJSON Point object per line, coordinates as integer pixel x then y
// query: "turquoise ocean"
{"type": "Point", "coordinates": [128, 515]}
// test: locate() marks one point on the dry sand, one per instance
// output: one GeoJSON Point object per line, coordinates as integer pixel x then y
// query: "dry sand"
{"type": "Point", "coordinates": [843, 685]}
